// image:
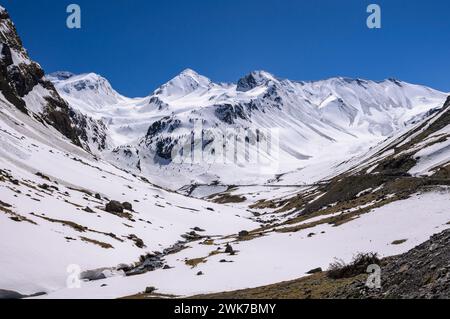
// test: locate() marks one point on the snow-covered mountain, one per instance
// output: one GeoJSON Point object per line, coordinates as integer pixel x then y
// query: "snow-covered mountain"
{"type": "Point", "coordinates": [309, 120]}
{"type": "Point", "coordinates": [93, 90]}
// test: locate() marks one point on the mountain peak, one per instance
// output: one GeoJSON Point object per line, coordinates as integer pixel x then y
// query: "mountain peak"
{"type": "Point", "coordinates": [184, 83]}
{"type": "Point", "coordinates": [90, 87]}
{"type": "Point", "coordinates": [189, 72]}
{"type": "Point", "coordinates": [79, 82]}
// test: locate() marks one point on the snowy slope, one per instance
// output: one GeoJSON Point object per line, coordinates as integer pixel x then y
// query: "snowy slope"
{"type": "Point", "coordinates": [46, 184]}
{"type": "Point", "coordinates": [93, 91]}
{"type": "Point", "coordinates": [423, 150]}
{"type": "Point", "coordinates": [285, 256]}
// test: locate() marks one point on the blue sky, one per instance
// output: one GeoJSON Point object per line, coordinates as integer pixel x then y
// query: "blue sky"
{"type": "Point", "coordinates": [140, 44]}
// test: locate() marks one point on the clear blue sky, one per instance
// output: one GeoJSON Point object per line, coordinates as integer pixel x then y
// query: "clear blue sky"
{"type": "Point", "coordinates": [140, 44]}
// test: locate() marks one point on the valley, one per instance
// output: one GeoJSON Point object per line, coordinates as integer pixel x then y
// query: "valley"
{"type": "Point", "coordinates": [100, 197]}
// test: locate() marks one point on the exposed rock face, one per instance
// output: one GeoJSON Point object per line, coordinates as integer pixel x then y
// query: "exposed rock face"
{"type": "Point", "coordinates": [20, 76]}
{"type": "Point", "coordinates": [423, 272]}
{"type": "Point", "coordinates": [156, 137]}
{"type": "Point", "coordinates": [166, 124]}
{"type": "Point", "coordinates": [229, 113]}
{"type": "Point", "coordinates": [253, 80]}
{"type": "Point", "coordinates": [92, 133]}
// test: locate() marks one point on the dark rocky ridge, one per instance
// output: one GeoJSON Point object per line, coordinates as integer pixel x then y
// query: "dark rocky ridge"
{"type": "Point", "coordinates": [17, 80]}
{"type": "Point", "coordinates": [97, 128]}
{"type": "Point", "coordinates": [251, 81]}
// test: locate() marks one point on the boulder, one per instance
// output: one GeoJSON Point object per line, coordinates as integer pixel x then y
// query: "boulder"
{"type": "Point", "coordinates": [91, 275]}
{"type": "Point", "coordinates": [88, 210]}
{"type": "Point", "coordinates": [114, 207]}
{"type": "Point", "coordinates": [150, 290]}
{"type": "Point", "coordinates": [314, 271]}
{"type": "Point", "coordinates": [229, 250]}
{"type": "Point", "coordinates": [8, 294]}
{"type": "Point", "coordinates": [127, 206]}
{"type": "Point", "coordinates": [100, 273]}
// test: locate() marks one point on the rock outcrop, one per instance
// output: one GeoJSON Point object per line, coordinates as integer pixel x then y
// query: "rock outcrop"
{"type": "Point", "coordinates": [22, 80]}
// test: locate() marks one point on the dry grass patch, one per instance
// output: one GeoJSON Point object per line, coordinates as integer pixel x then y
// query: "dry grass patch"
{"type": "Point", "coordinates": [195, 262]}
{"type": "Point", "coordinates": [317, 286]}
{"type": "Point", "coordinates": [227, 198]}
{"type": "Point", "coordinates": [207, 242]}
{"type": "Point", "coordinates": [70, 224]}
{"type": "Point", "coordinates": [15, 217]}
{"type": "Point", "coordinates": [96, 242]}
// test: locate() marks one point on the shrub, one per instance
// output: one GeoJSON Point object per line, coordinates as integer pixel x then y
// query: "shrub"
{"type": "Point", "coordinates": [339, 269]}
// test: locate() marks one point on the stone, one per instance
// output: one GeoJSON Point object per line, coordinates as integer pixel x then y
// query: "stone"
{"type": "Point", "coordinates": [89, 210]}
{"type": "Point", "coordinates": [92, 275]}
{"type": "Point", "coordinates": [8, 294]}
{"type": "Point", "coordinates": [127, 206]}
{"type": "Point", "coordinates": [150, 290]}
{"type": "Point", "coordinates": [229, 250]}
{"type": "Point", "coordinates": [114, 207]}
{"type": "Point", "coordinates": [314, 271]}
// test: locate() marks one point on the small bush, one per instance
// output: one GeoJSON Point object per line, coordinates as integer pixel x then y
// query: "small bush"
{"type": "Point", "coordinates": [339, 269]}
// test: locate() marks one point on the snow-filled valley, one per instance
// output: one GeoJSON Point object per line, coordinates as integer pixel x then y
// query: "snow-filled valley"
{"type": "Point", "coordinates": [98, 200]}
